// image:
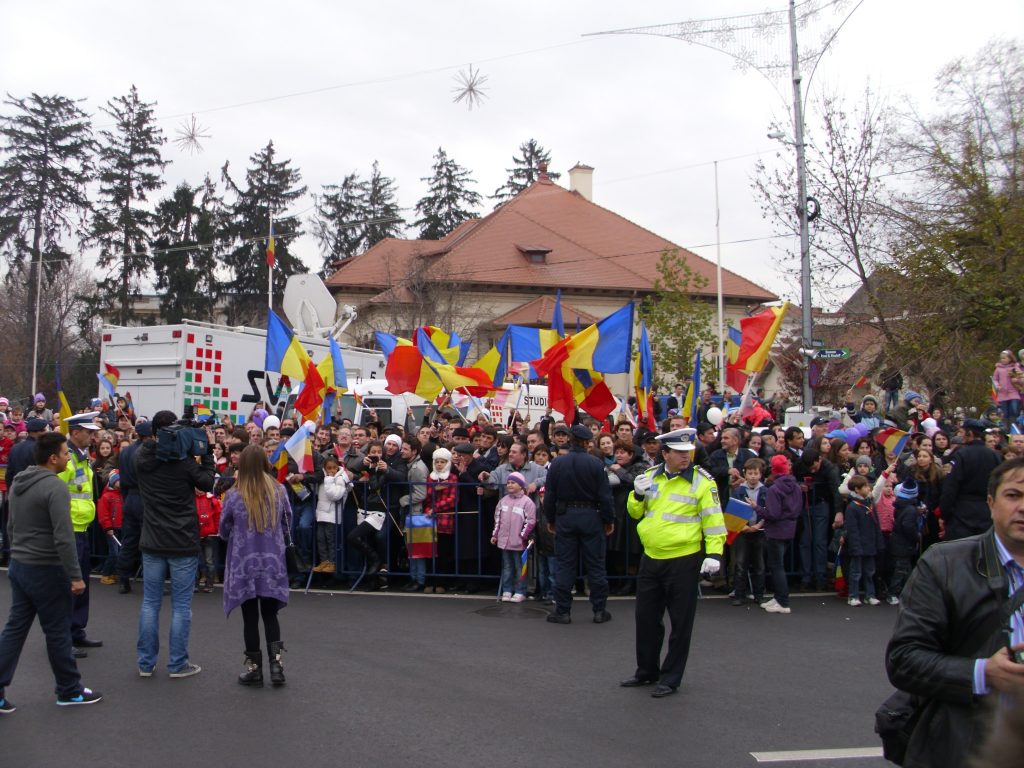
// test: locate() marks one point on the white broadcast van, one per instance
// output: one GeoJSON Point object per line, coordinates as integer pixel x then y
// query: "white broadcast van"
{"type": "Point", "coordinates": [171, 366]}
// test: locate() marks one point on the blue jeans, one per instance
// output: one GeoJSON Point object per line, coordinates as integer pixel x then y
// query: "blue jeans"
{"type": "Point", "coordinates": [418, 570]}
{"type": "Point", "coordinates": [814, 544]}
{"type": "Point", "coordinates": [43, 591]}
{"type": "Point", "coordinates": [862, 569]}
{"type": "Point", "coordinates": [113, 550]}
{"type": "Point", "coordinates": [776, 552]}
{"type": "Point", "coordinates": [892, 399]}
{"type": "Point", "coordinates": [304, 515]}
{"type": "Point", "coordinates": [511, 567]}
{"type": "Point", "coordinates": [183, 576]}
{"type": "Point", "coordinates": [1011, 412]}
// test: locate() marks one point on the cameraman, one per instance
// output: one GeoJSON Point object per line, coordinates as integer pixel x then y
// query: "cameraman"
{"type": "Point", "coordinates": [170, 540]}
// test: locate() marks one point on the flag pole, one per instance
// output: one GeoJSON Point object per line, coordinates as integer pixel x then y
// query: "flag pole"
{"type": "Point", "coordinates": [270, 263]}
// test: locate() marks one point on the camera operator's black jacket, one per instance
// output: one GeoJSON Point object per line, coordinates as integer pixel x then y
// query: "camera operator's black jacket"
{"type": "Point", "coordinates": [170, 525]}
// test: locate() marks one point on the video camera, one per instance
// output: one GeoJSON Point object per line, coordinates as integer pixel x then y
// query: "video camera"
{"type": "Point", "coordinates": [182, 440]}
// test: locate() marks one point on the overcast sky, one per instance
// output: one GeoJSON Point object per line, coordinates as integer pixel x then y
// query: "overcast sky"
{"type": "Point", "coordinates": [650, 114]}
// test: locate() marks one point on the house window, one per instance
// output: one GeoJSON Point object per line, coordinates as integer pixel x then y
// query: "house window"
{"type": "Point", "coordinates": [535, 254]}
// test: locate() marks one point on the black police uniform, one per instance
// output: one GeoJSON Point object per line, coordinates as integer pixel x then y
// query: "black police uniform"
{"type": "Point", "coordinates": [963, 502]}
{"type": "Point", "coordinates": [578, 502]}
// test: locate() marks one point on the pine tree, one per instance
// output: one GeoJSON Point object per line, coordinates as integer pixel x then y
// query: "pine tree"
{"type": "Point", "coordinates": [129, 167]}
{"type": "Point", "coordinates": [269, 189]}
{"type": "Point", "coordinates": [48, 146]}
{"type": "Point", "coordinates": [445, 206]}
{"type": "Point", "coordinates": [380, 209]}
{"type": "Point", "coordinates": [525, 171]}
{"type": "Point", "coordinates": [337, 223]}
{"type": "Point", "coordinates": [189, 224]}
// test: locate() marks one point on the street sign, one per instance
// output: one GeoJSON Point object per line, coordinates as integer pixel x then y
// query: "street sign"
{"type": "Point", "coordinates": [833, 354]}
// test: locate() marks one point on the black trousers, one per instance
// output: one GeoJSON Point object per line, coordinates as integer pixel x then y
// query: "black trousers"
{"type": "Point", "coordinates": [580, 531]}
{"type": "Point", "coordinates": [131, 532]}
{"type": "Point", "coordinates": [665, 585]}
{"type": "Point", "coordinates": [252, 610]}
{"type": "Point", "coordinates": [80, 603]}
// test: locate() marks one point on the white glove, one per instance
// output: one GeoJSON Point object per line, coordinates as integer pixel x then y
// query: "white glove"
{"type": "Point", "coordinates": [710, 567]}
{"type": "Point", "coordinates": [642, 485]}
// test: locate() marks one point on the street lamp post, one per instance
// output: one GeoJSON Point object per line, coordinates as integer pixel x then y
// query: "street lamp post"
{"type": "Point", "coordinates": [801, 210]}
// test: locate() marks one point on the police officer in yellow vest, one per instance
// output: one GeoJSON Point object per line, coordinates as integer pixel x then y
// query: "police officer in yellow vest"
{"type": "Point", "coordinates": [78, 476]}
{"type": "Point", "coordinates": [678, 508]}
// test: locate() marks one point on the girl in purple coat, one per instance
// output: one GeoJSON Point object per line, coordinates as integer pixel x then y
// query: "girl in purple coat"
{"type": "Point", "coordinates": [783, 504]}
{"type": "Point", "coordinates": [255, 516]}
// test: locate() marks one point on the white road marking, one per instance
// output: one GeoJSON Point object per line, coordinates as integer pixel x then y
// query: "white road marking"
{"type": "Point", "coordinates": [797, 755]}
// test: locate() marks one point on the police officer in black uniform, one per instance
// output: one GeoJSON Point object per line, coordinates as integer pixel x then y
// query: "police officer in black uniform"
{"type": "Point", "coordinates": [963, 502]}
{"type": "Point", "coordinates": [579, 511]}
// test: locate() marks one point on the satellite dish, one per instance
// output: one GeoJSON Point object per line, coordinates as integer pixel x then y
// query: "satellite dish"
{"type": "Point", "coordinates": [308, 305]}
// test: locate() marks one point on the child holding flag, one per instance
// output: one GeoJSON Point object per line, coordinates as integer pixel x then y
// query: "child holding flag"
{"type": "Point", "coordinates": [514, 519]}
{"type": "Point", "coordinates": [331, 492]}
{"type": "Point", "coordinates": [863, 541]}
{"type": "Point", "coordinates": [748, 548]}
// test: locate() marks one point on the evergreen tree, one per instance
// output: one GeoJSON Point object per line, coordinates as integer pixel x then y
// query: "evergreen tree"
{"type": "Point", "coordinates": [129, 167]}
{"type": "Point", "coordinates": [525, 171]}
{"type": "Point", "coordinates": [380, 209]}
{"type": "Point", "coordinates": [337, 222]}
{"type": "Point", "coordinates": [47, 144]}
{"type": "Point", "coordinates": [189, 223]}
{"type": "Point", "coordinates": [445, 205]}
{"type": "Point", "coordinates": [270, 186]}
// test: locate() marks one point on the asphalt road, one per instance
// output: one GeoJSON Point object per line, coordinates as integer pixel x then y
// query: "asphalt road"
{"type": "Point", "coordinates": [392, 680]}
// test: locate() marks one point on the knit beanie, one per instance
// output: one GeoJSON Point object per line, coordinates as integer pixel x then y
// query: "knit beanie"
{"type": "Point", "coordinates": [907, 489]}
{"type": "Point", "coordinates": [517, 477]}
{"type": "Point", "coordinates": [864, 460]}
{"type": "Point", "coordinates": [114, 479]}
{"type": "Point", "coordinates": [780, 465]}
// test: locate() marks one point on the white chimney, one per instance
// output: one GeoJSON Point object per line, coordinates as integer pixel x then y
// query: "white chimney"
{"type": "Point", "coordinates": [581, 180]}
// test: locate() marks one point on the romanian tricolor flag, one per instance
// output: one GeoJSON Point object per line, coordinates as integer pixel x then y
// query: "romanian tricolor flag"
{"type": "Point", "coordinates": [311, 395]}
{"type": "Point", "coordinates": [759, 334]}
{"type": "Point", "coordinates": [109, 379]}
{"type": "Point", "coordinates": [202, 411]}
{"type": "Point", "coordinates": [526, 344]}
{"type": "Point", "coordinates": [332, 371]}
{"type": "Point", "coordinates": [406, 370]}
{"type": "Point", "coordinates": [495, 362]}
{"type": "Point", "coordinates": [557, 324]}
{"type": "Point", "coordinates": [523, 559]}
{"type": "Point", "coordinates": [300, 446]}
{"type": "Point", "coordinates": [735, 379]}
{"type": "Point", "coordinates": [271, 246]}
{"type": "Point", "coordinates": [279, 461]}
{"type": "Point", "coordinates": [129, 407]}
{"type": "Point", "coordinates": [604, 346]}
{"type": "Point", "coordinates": [738, 515]}
{"type": "Point", "coordinates": [65, 408]}
{"type": "Point", "coordinates": [472, 381]}
{"type": "Point", "coordinates": [893, 439]}
{"type": "Point", "coordinates": [691, 405]}
{"type": "Point", "coordinates": [995, 390]}
{"type": "Point", "coordinates": [451, 348]}
{"type": "Point", "coordinates": [643, 381]}
{"type": "Point", "coordinates": [285, 354]}
{"type": "Point", "coordinates": [420, 536]}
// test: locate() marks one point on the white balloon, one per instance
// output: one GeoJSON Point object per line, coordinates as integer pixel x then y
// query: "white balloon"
{"type": "Point", "coordinates": [715, 416]}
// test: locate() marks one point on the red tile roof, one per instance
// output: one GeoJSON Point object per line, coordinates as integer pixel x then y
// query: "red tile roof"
{"type": "Point", "coordinates": [538, 313]}
{"type": "Point", "coordinates": [591, 248]}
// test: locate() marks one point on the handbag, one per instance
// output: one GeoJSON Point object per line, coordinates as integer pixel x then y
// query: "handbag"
{"type": "Point", "coordinates": [294, 560]}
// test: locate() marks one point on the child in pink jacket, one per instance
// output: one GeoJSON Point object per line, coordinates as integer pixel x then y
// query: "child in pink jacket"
{"type": "Point", "coordinates": [514, 519]}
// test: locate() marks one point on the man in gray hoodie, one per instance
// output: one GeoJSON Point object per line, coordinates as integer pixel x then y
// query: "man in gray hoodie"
{"type": "Point", "coordinates": [44, 572]}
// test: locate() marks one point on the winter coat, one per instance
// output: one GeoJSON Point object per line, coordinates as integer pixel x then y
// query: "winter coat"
{"type": "Point", "coordinates": [783, 504]}
{"type": "Point", "coordinates": [514, 519]}
{"type": "Point", "coordinates": [1004, 386]}
{"type": "Point", "coordinates": [254, 565]}
{"type": "Point", "coordinates": [208, 510]}
{"type": "Point", "coordinates": [906, 535]}
{"type": "Point", "coordinates": [170, 526]}
{"type": "Point", "coordinates": [108, 510]}
{"type": "Point", "coordinates": [863, 532]}
{"type": "Point", "coordinates": [332, 491]}
{"type": "Point", "coordinates": [440, 502]}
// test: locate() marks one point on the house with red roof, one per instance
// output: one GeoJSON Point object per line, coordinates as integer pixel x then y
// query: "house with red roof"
{"type": "Point", "coordinates": [505, 267]}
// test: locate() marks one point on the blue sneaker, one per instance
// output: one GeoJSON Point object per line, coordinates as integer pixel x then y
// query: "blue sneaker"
{"type": "Point", "coordinates": [6, 706]}
{"type": "Point", "coordinates": [85, 697]}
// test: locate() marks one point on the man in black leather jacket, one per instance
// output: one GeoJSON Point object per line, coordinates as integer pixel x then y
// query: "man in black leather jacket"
{"type": "Point", "coordinates": [949, 646]}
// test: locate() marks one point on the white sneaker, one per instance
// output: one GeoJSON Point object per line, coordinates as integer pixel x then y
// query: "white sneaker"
{"type": "Point", "coordinates": [517, 598]}
{"type": "Point", "coordinates": [874, 601]}
{"type": "Point", "coordinates": [774, 607]}
{"type": "Point", "coordinates": [506, 597]}
{"type": "Point", "coordinates": [892, 600]}
{"type": "Point", "coordinates": [853, 602]}
{"type": "Point", "coordinates": [773, 603]}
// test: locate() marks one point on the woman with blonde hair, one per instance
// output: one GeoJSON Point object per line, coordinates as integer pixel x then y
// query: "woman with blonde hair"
{"type": "Point", "coordinates": [254, 521]}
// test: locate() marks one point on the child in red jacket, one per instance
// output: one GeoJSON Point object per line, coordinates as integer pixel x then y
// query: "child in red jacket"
{"type": "Point", "coordinates": [108, 511]}
{"type": "Point", "coordinates": [208, 509]}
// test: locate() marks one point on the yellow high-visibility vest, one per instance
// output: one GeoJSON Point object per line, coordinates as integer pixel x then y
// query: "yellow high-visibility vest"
{"type": "Point", "coordinates": [677, 513]}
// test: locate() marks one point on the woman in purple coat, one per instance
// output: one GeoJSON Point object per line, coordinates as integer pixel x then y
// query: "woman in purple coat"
{"type": "Point", "coordinates": [255, 516]}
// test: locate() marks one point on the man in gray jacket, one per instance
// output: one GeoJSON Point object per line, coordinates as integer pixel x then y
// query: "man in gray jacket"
{"type": "Point", "coordinates": [44, 572]}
